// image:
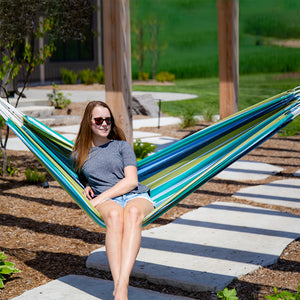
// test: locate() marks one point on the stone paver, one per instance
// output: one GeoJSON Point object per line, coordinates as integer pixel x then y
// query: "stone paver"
{"type": "Point", "coordinates": [207, 248]}
{"type": "Point", "coordinates": [243, 170]}
{"type": "Point", "coordinates": [75, 287]}
{"type": "Point", "coordinates": [83, 96]}
{"type": "Point", "coordinates": [297, 173]}
{"type": "Point", "coordinates": [282, 192]}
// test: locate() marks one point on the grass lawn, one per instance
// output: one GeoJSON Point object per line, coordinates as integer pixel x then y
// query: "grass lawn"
{"type": "Point", "coordinates": [188, 34]}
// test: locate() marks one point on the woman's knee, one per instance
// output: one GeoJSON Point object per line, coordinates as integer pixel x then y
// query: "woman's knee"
{"type": "Point", "coordinates": [114, 217]}
{"type": "Point", "coordinates": [134, 214]}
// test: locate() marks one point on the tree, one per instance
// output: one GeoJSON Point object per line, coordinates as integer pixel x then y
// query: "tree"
{"type": "Point", "coordinates": [21, 24]}
{"type": "Point", "coordinates": [155, 47]}
{"type": "Point", "coordinates": [145, 31]}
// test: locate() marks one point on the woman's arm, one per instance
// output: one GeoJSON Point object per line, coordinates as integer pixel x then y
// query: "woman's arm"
{"type": "Point", "coordinates": [127, 184]}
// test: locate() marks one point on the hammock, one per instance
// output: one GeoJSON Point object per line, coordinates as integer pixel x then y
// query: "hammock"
{"type": "Point", "coordinates": [174, 172]}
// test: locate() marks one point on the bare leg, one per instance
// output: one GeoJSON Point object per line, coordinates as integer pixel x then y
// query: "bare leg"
{"type": "Point", "coordinates": [112, 214]}
{"type": "Point", "coordinates": [134, 213]}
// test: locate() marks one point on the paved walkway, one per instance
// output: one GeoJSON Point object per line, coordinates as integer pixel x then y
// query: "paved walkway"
{"type": "Point", "coordinates": [204, 249]}
{"type": "Point", "coordinates": [82, 96]}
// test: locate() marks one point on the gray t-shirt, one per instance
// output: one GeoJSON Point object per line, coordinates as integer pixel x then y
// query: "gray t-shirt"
{"type": "Point", "coordinates": [104, 166]}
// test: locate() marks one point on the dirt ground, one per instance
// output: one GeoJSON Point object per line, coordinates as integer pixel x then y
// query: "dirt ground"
{"type": "Point", "coordinates": [45, 233]}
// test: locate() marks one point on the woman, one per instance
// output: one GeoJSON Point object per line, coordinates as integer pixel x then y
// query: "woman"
{"type": "Point", "coordinates": [108, 163]}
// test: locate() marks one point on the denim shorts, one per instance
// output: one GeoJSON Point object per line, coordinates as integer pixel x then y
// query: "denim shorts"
{"type": "Point", "coordinates": [124, 199]}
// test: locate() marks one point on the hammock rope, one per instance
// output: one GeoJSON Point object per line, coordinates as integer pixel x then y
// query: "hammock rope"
{"type": "Point", "coordinates": [174, 172]}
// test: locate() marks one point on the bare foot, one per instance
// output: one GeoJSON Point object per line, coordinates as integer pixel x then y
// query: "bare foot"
{"type": "Point", "coordinates": [121, 293]}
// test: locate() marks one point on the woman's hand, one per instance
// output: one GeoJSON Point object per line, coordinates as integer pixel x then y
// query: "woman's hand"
{"type": "Point", "coordinates": [88, 192]}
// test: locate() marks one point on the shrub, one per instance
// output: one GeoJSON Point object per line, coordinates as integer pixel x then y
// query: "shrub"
{"type": "Point", "coordinates": [142, 150]}
{"type": "Point", "coordinates": [87, 76]}
{"type": "Point", "coordinates": [99, 75]}
{"type": "Point", "coordinates": [68, 76]}
{"type": "Point", "coordinates": [208, 114]}
{"type": "Point", "coordinates": [143, 76]}
{"type": "Point", "coordinates": [57, 98]}
{"type": "Point", "coordinates": [188, 118]}
{"type": "Point", "coordinates": [164, 76]}
{"type": "Point", "coordinates": [34, 177]}
{"type": "Point", "coordinates": [6, 269]}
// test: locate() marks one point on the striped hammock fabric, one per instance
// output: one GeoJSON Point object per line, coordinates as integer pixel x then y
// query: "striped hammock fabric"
{"type": "Point", "coordinates": [176, 171]}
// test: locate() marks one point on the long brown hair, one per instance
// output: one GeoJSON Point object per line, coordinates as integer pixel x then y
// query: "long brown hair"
{"type": "Point", "coordinates": [83, 140]}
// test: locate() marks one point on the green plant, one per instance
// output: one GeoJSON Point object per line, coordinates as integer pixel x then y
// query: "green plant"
{"type": "Point", "coordinates": [99, 75]}
{"type": "Point", "coordinates": [6, 269]}
{"type": "Point", "coordinates": [87, 76]}
{"type": "Point", "coordinates": [164, 76]}
{"type": "Point", "coordinates": [284, 295]}
{"type": "Point", "coordinates": [34, 177]}
{"type": "Point", "coordinates": [57, 98]}
{"type": "Point", "coordinates": [2, 122]}
{"type": "Point", "coordinates": [143, 76]}
{"type": "Point", "coordinates": [11, 171]}
{"type": "Point", "coordinates": [227, 294]}
{"type": "Point", "coordinates": [208, 114]}
{"type": "Point", "coordinates": [68, 76]}
{"type": "Point", "coordinates": [142, 150]}
{"type": "Point", "coordinates": [188, 118]}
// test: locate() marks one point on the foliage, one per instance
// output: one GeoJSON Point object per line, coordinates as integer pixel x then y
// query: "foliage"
{"type": "Point", "coordinates": [22, 23]}
{"type": "Point", "coordinates": [142, 149]}
{"type": "Point", "coordinates": [155, 46]}
{"type": "Point", "coordinates": [2, 122]}
{"type": "Point", "coordinates": [208, 114]}
{"type": "Point", "coordinates": [6, 269]}
{"type": "Point", "coordinates": [145, 37]}
{"type": "Point", "coordinates": [34, 176]}
{"type": "Point", "coordinates": [144, 76]}
{"type": "Point", "coordinates": [10, 169]}
{"type": "Point", "coordinates": [227, 294]}
{"type": "Point", "coordinates": [99, 75]}
{"type": "Point", "coordinates": [87, 76]}
{"type": "Point", "coordinates": [284, 295]}
{"type": "Point", "coordinates": [138, 35]}
{"type": "Point", "coordinates": [188, 118]}
{"type": "Point", "coordinates": [68, 76]}
{"type": "Point", "coordinates": [57, 98]}
{"type": "Point", "coordinates": [165, 76]}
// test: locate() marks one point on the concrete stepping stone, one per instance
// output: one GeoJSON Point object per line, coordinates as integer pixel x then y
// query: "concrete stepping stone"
{"type": "Point", "coordinates": [16, 144]}
{"type": "Point", "coordinates": [154, 122]}
{"type": "Point", "coordinates": [76, 287]}
{"type": "Point", "coordinates": [243, 170]}
{"type": "Point", "coordinates": [144, 134]}
{"type": "Point", "coordinates": [297, 173]}
{"type": "Point", "coordinates": [160, 142]}
{"type": "Point", "coordinates": [205, 249]}
{"type": "Point", "coordinates": [282, 192]}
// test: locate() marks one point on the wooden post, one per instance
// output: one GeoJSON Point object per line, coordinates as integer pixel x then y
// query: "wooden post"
{"type": "Point", "coordinates": [117, 62]}
{"type": "Point", "coordinates": [228, 37]}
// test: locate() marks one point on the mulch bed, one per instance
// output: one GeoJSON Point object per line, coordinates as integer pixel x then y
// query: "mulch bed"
{"type": "Point", "coordinates": [45, 233]}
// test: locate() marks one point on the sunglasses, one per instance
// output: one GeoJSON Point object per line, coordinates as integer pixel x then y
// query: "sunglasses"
{"type": "Point", "coordinates": [99, 121]}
